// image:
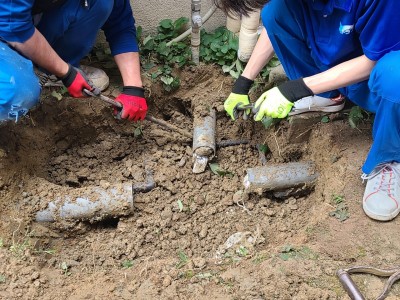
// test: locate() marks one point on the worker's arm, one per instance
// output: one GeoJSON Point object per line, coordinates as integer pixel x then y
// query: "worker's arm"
{"type": "Point", "coordinates": [344, 74]}
{"type": "Point", "coordinates": [261, 55]}
{"type": "Point", "coordinates": [134, 105]}
{"type": "Point", "coordinates": [37, 49]}
{"type": "Point", "coordinates": [129, 66]}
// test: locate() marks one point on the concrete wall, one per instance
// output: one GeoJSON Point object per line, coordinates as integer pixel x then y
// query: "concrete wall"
{"type": "Point", "coordinates": [149, 13]}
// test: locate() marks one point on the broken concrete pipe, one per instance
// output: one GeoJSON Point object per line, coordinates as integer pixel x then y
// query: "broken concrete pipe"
{"type": "Point", "coordinates": [204, 145]}
{"type": "Point", "coordinates": [280, 176]}
{"type": "Point", "coordinates": [93, 204]}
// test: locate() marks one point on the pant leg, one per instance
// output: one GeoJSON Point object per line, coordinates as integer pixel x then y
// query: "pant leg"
{"type": "Point", "coordinates": [286, 28]}
{"type": "Point", "coordinates": [72, 29]}
{"type": "Point", "coordinates": [383, 99]}
{"type": "Point", "coordinates": [19, 86]}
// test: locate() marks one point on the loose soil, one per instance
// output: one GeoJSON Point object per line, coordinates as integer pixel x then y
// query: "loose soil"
{"type": "Point", "coordinates": [174, 244]}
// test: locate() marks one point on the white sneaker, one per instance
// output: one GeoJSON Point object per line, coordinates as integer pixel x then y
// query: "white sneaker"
{"type": "Point", "coordinates": [96, 76]}
{"type": "Point", "coordinates": [382, 194]}
{"type": "Point", "coordinates": [317, 103]}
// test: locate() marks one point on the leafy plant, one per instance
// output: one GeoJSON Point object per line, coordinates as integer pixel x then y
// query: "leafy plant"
{"type": "Point", "coordinates": [126, 264]}
{"type": "Point", "coordinates": [215, 168]}
{"type": "Point", "coordinates": [1, 243]}
{"type": "Point", "coordinates": [156, 51]}
{"type": "Point", "coordinates": [180, 205]}
{"type": "Point", "coordinates": [356, 116]}
{"type": "Point", "coordinates": [2, 278]}
{"type": "Point", "coordinates": [290, 252]}
{"type": "Point", "coordinates": [65, 268]}
{"type": "Point", "coordinates": [183, 260]}
{"type": "Point", "coordinates": [341, 210]}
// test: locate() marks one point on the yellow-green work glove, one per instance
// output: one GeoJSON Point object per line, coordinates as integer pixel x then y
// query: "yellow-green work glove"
{"type": "Point", "coordinates": [238, 98]}
{"type": "Point", "coordinates": [272, 104]}
{"type": "Point", "coordinates": [233, 102]}
{"type": "Point", "coordinates": [277, 102]}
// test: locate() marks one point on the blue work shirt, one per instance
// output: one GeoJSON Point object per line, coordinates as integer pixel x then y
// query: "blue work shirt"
{"type": "Point", "coordinates": [16, 24]}
{"type": "Point", "coordinates": [345, 29]}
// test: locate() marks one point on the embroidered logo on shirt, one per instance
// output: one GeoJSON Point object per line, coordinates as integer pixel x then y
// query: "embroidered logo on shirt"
{"type": "Point", "coordinates": [345, 29]}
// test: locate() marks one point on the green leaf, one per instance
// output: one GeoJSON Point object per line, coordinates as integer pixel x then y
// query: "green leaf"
{"type": "Point", "coordinates": [218, 171]}
{"type": "Point", "coordinates": [167, 79]}
{"type": "Point", "coordinates": [179, 23]}
{"type": "Point", "coordinates": [180, 205]}
{"type": "Point", "coordinates": [325, 119]}
{"type": "Point", "coordinates": [166, 24]}
{"type": "Point", "coordinates": [355, 116]}
{"type": "Point", "coordinates": [56, 95]}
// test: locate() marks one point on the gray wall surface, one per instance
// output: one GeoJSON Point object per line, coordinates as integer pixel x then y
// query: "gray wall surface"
{"type": "Point", "coordinates": [149, 13]}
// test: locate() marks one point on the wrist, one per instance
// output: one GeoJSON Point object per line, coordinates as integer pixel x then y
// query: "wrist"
{"type": "Point", "coordinates": [133, 91]}
{"type": "Point", "coordinates": [69, 77]}
{"type": "Point", "coordinates": [294, 90]}
{"type": "Point", "coordinates": [242, 85]}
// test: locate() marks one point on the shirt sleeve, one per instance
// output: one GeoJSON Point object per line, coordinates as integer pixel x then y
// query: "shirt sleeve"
{"type": "Point", "coordinates": [379, 27]}
{"type": "Point", "coordinates": [16, 23]}
{"type": "Point", "coordinates": [120, 30]}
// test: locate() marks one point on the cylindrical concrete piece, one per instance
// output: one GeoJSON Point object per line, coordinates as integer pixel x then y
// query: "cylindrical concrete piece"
{"type": "Point", "coordinates": [280, 177]}
{"type": "Point", "coordinates": [204, 145]}
{"type": "Point", "coordinates": [204, 135]}
{"type": "Point", "coordinates": [92, 204]}
{"type": "Point", "coordinates": [233, 23]}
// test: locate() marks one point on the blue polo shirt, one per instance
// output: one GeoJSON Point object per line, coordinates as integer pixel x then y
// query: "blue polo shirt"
{"type": "Point", "coordinates": [16, 24]}
{"type": "Point", "coordinates": [344, 29]}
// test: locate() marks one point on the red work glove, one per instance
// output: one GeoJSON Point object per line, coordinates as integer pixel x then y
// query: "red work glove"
{"type": "Point", "coordinates": [134, 106]}
{"type": "Point", "coordinates": [75, 81]}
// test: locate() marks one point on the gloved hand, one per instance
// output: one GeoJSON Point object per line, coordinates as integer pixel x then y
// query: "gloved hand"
{"type": "Point", "coordinates": [75, 81]}
{"type": "Point", "coordinates": [278, 101]}
{"type": "Point", "coordinates": [134, 106]}
{"type": "Point", "coordinates": [239, 97]}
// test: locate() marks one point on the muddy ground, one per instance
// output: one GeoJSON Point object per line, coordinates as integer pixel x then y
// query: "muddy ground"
{"type": "Point", "coordinates": [172, 245]}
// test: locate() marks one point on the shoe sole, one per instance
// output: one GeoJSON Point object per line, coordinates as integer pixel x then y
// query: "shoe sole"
{"type": "Point", "coordinates": [330, 109]}
{"type": "Point", "coordinates": [380, 217]}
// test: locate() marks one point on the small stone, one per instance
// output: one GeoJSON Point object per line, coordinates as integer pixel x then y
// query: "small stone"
{"type": "Point", "coordinates": [199, 262]}
{"type": "Point", "coordinates": [203, 232]}
{"type": "Point", "coordinates": [270, 212]}
{"type": "Point", "coordinates": [35, 275]}
{"type": "Point", "coordinates": [167, 281]}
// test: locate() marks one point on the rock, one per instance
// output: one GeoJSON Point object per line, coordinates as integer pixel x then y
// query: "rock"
{"type": "Point", "coordinates": [199, 262]}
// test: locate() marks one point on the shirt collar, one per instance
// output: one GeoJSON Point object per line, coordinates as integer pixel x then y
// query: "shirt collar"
{"type": "Point", "coordinates": [328, 7]}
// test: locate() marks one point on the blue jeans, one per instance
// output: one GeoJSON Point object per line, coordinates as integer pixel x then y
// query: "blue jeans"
{"type": "Point", "coordinates": [380, 94]}
{"type": "Point", "coordinates": [71, 30]}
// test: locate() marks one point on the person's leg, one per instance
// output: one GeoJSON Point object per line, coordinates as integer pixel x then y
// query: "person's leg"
{"type": "Point", "coordinates": [286, 28]}
{"type": "Point", "coordinates": [72, 29]}
{"type": "Point", "coordinates": [380, 95]}
{"type": "Point", "coordinates": [19, 86]}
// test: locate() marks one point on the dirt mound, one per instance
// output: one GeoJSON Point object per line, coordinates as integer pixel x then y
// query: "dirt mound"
{"type": "Point", "coordinates": [194, 236]}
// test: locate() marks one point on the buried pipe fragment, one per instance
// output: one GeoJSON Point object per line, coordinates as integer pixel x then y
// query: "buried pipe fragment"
{"type": "Point", "coordinates": [280, 177]}
{"type": "Point", "coordinates": [89, 204]}
{"type": "Point", "coordinates": [204, 145]}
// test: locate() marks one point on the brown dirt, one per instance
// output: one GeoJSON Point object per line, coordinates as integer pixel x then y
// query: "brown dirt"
{"type": "Point", "coordinates": [288, 249]}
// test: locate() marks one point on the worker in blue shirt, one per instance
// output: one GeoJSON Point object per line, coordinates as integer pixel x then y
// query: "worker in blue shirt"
{"type": "Point", "coordinates": [331, 49]}
{"type": "Point", "coordinates": [54, 36]}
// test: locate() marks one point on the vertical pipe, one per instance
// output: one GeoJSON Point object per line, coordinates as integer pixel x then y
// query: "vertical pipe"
{"type": "Point", "coordinates": [196, 25]}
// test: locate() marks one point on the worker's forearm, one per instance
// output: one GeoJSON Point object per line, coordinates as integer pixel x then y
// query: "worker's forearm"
{"type": "Point", "coordinates": [129, 66]}
{"type": "Point", "coordinates": [262, 53]}
{"type": "Point", "coordinates": [344, 74]}
{"type": "Point", "coordinates": [41, 53]}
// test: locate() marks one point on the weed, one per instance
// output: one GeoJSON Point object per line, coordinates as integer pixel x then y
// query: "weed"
{"type": "Point", "coordinates": [188, 274]}
{"type": "Point", "coordinates": [18, 249]}
{"type": "Point", "coordinates": [356, 116]}
{"type": "Point", "coordinates": [215, 168]}
{"type": "Point", "coordinates": [2, 278]}
{"type": "Point", "coordinates": [341, 211]}
{"type": "Point", "coordinates": [259, 258]}
{"type": "Point", "coordinates": [290, 252]}
{"type": "Point", "coordinates": [242, 251]}
{"type": "Point", "coordinates": [65, 268]}
{"type": "Point", "coordinates": [183, 260]}
{"type": "Point", "coordinates": [1, 243]}
{"type": "Point", "coordinates": [126, 264]}
{"type": "Point", "coordinates": [180, 205]}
